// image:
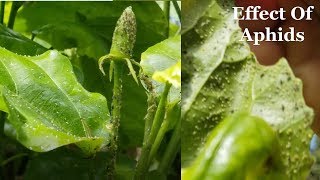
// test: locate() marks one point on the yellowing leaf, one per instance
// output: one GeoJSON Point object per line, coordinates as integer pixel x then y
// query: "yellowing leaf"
{"type": "Point", "coordinates": [171, 75]}
{"type": "Point", "coordinates": [156, 62]}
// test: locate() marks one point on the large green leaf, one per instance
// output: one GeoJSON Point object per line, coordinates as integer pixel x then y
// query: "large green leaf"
{"type": "Point", "coordinates": [86, 24]}
{"type": "Point", "coordinates": [134, 108]}
{"type": "Point", "coordinates": [220, 77]}
{"type": "Point", "coordinates": [47, 107]}
{"type": "Point", "coordinates": [66, 163]}
{"type": "Point", "coordinates": [64, 35]}
{"type": "Point", "coordinates": [63, 163]}
{"type": "Point", "coordinates": [17, 43]}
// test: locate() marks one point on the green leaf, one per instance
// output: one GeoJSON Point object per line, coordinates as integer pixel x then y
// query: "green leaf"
{"type": "Point", "coordinates": [68, 163]}
{"type": "Point", "coordinates": [88, 21]}
{"type": "Point", "coordinates": [17, 43]}
{"type": "Point", "coordinates": [132, 122]}
{"type": "Point", "coordinates": [125, 168]}
{"type": "Point", "coordinates": [47, 107]}
{"type": "Point", "coordinates": [221, 77]}
{"type": "Point", "coordinates": [228, 154]}
{"type": "Point", "coordinates": [65, 35]}
{"type": "Point", "coordinates": [63, 163]}
{"type": "Point", "coordinates": [162, 60]}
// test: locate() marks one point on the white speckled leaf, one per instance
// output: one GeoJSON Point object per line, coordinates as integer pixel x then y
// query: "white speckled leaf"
{"type": "Point", "coordinates": [220, 77]}
{"type": "Point", "coordinates": [47, 107]}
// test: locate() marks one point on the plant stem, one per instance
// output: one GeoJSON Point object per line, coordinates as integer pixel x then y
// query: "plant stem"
{"type": "Point", "coordinates": [177, 8]}
{"type": "Point", "coordinates": [172, 149]}
{"type": "Point", "coordinates": [164, 128]}
{"type": "Point", "coordinates": [158, 140]}
{"type": "Point", "coordinates": [2, 119]}
{"type": "Point", "coordinates": [166, 9]}
{"type": "Point", "coordinates": [3, 163]}
{"type": "Point", "coordinates": [2, 5]}
{"type": "Point", "coordinates": [115, 115]}
{"type": "Point", "coordinates": [143, 163]}
{"type": "Point", "coordinates": [13, 12]}
{"type": "Point", "coordinates": [152, 107]}
{"type": "Point", "coordinates": [92, 171]}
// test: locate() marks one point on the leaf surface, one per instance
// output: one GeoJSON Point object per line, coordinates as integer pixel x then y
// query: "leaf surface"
{"type": "Point", "coordinates": [221, 77]}
{"type": "Point", "coordinates": [17, 43]}
{"type": "Point", "coordinates": [88, 21]}
{"type": "Point", "coordinates": [47, 107]}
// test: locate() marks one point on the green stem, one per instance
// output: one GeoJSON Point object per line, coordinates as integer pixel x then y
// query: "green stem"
{"type": "Point", "coordinates": [177, 8]}
{"type": "Point", "coordinates": [164, 128]}
{"type": "Point", "coordinates": [2, 119]}
{"type": "Point", "coordinates": [143, 163]}
{"type": "Point", "coordinates": [171, 150]}
{"type": "Point", "coordinates": [13, 12]}
{"type": "Point", "coordinates": [152, 107]}
{"type": "Point", "coordinates": [166, 9]}
{"type": "Point", "coordinates": [3, 163]}
{"type": "Point", "coordinates": [115, 115]}
{"type": "Point", "coordinates": [2, 5]}
{"type": "Point", "coordinates": [92, 171]}
{"type": "Point", "coordinates": [157, 142]}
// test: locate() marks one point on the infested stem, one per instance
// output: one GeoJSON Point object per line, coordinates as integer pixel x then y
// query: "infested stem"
{"type": "Point", "coordinates": [152, 107]}
{"type": "Point", "coordinates": [115, 116]}
{"type": "Point", "coordinates": [123, 39]}
{"type": "Point", "coordinates": [143, 163]}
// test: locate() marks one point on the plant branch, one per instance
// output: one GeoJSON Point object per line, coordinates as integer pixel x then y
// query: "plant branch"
{"type": "Point", "coordinates": [152, 107]}
{"type": "Point", "coordinates": [2, 5]}
{"type": "Point", "coordinates": [143, 163]}
{"type": "Point", "coordinates": [177, 8]}
{"type": "Point", "coordinates": [171, 150]}
{"type": "Point", "coordinates": [158, 140]}
{"type": "Point", "coordinates": [13, 12]}
{"type": "Point", "coordinates": [115, 115]}
{"type": "Point", "coordinates": [166, 9]}
{"type": "Point", "coordinates": [2, 119]}
{"type": "Point", "coordinates": [3, 163]}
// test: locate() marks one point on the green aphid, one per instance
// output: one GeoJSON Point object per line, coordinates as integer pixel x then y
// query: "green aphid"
{"type": "Point", "coordinates": [123, 40]}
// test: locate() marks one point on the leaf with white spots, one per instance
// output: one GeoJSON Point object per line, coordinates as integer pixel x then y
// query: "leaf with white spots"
{"type": "Point", "coordinates": [221, 77]}
{"type": "Point", "coordinates": [47, 107]}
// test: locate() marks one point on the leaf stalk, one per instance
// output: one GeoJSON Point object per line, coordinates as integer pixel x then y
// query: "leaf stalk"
{"type": "Point", "coordinates": [2, 5]}
{"type": "Point", "coordinates": [143, 163]}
